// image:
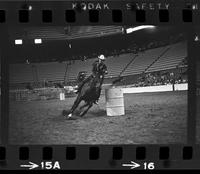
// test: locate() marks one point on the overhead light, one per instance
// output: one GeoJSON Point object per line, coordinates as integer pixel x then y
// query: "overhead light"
{"type": "Point", "coordinates": [196, 38]}
{"type": "Point", "coordinates": [18, 42]}
{"type": "Point", "coordinates": [70, 46]}
{"type": "Point", "coordinates": [27, 61]}
{"type": "Point", "coordinates": [30, 8]}
{"type": "Point", "coordinates": [38, 41]}
{"type": "Point", "coordinates": [130, 30]}
{"type": "Point", "coordinates": [26, 7]}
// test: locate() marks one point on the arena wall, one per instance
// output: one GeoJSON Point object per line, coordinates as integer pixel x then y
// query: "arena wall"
{"type": "Point", "coordinates": [181, 87]}
{"type": "Point", "coordinates": [161, 88]}
{"type": "Point", "coordinates": [54, 93]}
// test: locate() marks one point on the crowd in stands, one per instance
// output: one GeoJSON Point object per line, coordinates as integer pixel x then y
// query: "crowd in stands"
{"type": "Point", "coordinates": [164, 77]}
{"type": "Point", "coordinates": [175, 76]}
{"type": "Point", "coordinates": [159, 78]}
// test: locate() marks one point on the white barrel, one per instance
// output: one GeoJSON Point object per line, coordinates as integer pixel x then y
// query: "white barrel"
{"type": "Point", "coordinates": [62, 96]}
{"type": "Point", "coordinates": [114, 102]}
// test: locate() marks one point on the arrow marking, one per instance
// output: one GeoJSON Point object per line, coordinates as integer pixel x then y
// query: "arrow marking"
{"type": "Point", "coordinates": [30, 165]}
{"type": "Point", "coordinates": [132, 165]}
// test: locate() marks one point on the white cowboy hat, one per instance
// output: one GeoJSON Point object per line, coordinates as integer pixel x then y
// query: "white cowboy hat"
{"type": "Point", "coordinates": [102, 57]}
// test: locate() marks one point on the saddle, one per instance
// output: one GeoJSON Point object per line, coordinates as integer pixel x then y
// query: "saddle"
{"type": "Point", "coordinates": [80, 85]}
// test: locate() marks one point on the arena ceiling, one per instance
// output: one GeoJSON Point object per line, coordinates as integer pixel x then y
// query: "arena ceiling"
{"type": "Point", "coordinates": [64, 32]}
{"type": "Point", "coordinates": [61, 43]}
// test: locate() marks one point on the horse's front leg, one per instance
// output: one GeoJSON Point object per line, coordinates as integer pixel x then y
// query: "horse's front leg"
{"type": "Point", "coordinates": [99, 92]}
{"type": "Point", "coordinates": [75, 105]}
{"type": "Point", "coordinates": [85, 111]}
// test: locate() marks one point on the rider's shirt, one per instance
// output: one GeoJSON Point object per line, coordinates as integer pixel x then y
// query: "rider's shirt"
{"type": "Point", "coordinates": [97, 66]}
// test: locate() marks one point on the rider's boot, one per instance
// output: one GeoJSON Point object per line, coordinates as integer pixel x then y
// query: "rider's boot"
{"type": "Point", "coordinates": [96, 102]}
{"type": "Point", "coordinates": [77, 89]}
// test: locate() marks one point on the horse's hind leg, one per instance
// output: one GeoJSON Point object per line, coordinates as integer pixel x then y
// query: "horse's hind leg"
{"type": "Point", "coordinates": [85, 111]}
{"type": "Point", "coordinates": [75, 105]}
{"type": "Point", "coordinates": [86, 104]}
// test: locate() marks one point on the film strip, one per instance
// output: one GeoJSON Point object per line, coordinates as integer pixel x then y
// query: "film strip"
{"type": "Point", "coordinates": [144, 61]}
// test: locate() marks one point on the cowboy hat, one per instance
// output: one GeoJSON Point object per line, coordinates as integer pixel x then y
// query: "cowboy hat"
{"type": "Point", "coordinates": [102, 57]}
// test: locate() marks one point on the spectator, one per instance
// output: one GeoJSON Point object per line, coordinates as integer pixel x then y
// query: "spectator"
{"type": "Point", "coordinates": [157, 78]}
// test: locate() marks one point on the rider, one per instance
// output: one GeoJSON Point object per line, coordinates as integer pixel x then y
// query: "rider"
{"type": "Point", "coordinates": [96, 65]}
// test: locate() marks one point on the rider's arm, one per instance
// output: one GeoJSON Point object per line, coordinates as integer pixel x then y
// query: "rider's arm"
{"type": "Point", "coordinates": [106, 70]}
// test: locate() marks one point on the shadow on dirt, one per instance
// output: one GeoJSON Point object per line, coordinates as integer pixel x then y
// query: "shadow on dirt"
{"type": "Point", "coordinates": [96, 113]}
{"type": "Point", "coordinates": [91, 114]}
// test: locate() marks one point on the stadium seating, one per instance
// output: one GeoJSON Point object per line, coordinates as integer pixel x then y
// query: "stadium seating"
{"type": "Point", "coordinates": [147, 61]}
{"type": "Point", "coordinates": [21, 73]}
{"type": "Point", "coordinates": [171, 59]}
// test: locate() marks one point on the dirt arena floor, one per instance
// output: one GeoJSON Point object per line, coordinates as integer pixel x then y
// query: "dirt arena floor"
{"type": "Point", "coordinates": [151, 118]}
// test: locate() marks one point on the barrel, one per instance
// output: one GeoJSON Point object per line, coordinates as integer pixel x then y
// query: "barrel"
{"type": "Point", "coordinates": [62, 96]}
{"type": "Point", "coordinates": [114, 102]}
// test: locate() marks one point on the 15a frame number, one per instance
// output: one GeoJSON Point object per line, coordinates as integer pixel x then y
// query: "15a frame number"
{"type": "Point", "coordinates": [49, 165]}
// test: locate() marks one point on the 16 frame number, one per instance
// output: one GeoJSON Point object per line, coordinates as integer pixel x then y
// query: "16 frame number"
{"type": "Point", "coordinates": [149, 166]}
{"type": "Point", "coordinates": [49, 165]}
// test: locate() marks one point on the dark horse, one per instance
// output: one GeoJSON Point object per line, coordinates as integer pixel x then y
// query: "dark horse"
{"type": "Point", "coordinates": [89, 92]}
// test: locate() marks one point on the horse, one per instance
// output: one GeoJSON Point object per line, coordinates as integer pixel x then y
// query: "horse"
{"type": "Point", "coordinates": [89, 92]}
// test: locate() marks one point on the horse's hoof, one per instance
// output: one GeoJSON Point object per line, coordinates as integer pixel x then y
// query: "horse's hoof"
{"type": "Point", "coordinates": [81, 114]}
{"type": "Point", "coordinates": [67, 118]}
{"type": "Point", "coordinates": [64, 112]}
{"type": "Point", "coordinates": [71, 118]}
